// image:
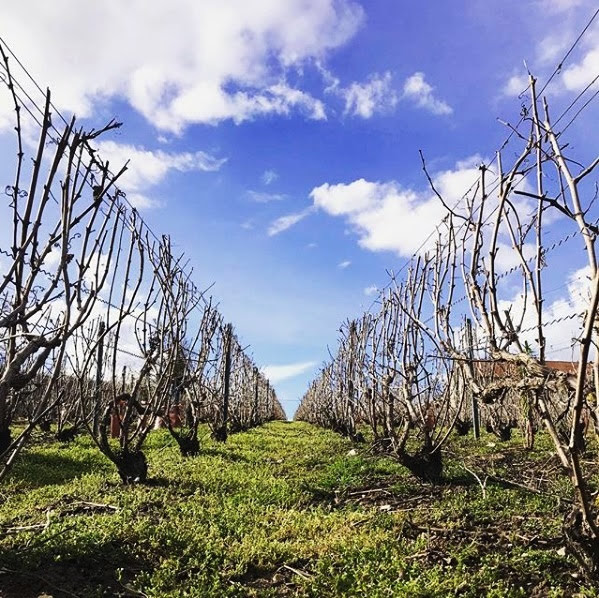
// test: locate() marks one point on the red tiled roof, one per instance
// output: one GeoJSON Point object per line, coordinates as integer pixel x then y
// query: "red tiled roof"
{"type": "Point", "coordinates": [506, 368]}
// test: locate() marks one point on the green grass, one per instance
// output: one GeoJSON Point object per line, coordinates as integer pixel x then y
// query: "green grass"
{"type": "Point", "coordinates": [283, 510]}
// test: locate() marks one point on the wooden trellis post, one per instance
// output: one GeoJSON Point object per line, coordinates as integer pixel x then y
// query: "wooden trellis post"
{"type": "Point", "coordinates": [475, 414]}
{"type": "Point", "coordinates": [255, 408]}
{"type": "Point", "coordinates": [222, 433]}
{"type": "Point", "coordinates": [99, 367]}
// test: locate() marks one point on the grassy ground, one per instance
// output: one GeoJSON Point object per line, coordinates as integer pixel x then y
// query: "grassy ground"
{"type": "Point", "coordinates": [284, 510]}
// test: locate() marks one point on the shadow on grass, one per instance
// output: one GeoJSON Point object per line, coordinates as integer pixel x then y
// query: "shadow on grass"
{"type": "Point", "coordinates": [462, 480]}
{"type": "Point", "coordinates": [393, 491]}
{"type": "Point", "coordinates": [159, 482]}
{"type": "Point", "coordinates": [43, 469]}
{"type": "Point", "coordinates": [225, 454]}
{"type": "Point", "coordinates": [103, 570]}
{"type": "Point", "coordinates": [316, 496]}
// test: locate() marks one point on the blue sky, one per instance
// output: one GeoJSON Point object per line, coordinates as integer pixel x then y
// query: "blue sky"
{"type": "Point", "coordinates": [277, 141]}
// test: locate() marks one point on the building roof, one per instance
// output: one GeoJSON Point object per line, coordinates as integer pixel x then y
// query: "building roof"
{"type": "Point", "coordinates": [493, 368]}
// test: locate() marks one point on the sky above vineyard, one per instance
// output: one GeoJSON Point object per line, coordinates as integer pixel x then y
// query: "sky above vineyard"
{"type": "Point", "coordinates": [277, 141]}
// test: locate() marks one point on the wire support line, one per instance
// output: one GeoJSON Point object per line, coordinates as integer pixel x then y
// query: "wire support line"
{"type": "Point", "coordinates": [121, 213]}
{"type": "Point", "coordinates": [513, 131]}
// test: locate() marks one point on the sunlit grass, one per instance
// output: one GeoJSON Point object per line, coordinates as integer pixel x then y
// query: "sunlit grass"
{"type": "Point", "coordinates": [280, 510]}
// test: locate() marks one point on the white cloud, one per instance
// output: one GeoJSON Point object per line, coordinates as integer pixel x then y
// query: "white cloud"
{"type": "Point", "coordinates": [7, 110]}
{"type": "Point", "coordinates": [278, 373]}
{"type": "Point", "coordinates": [515, 85]}
{"type": "Point", "coordinates": [212, 104]}
{"type": "Point", "coordinates": [370, 291]}
{"type": "Point", "coordinates": [284, 222]}
{"type": "Point", "coordinates": [364, 99]}
{"type": "Point", "coordinates": [559, 335]}
{"type": "Point", "coordinates": [179, 62]}
{"type": "Point", "coordinates": [578, 76]}
{"type": "Point", "coordinates": [344, 264]}
{"type": "Point", "coordinates": [263, 197]}
{"type": "Point", "coordinates": [579, 67]}
{"type": "Point", "coordinates": [141, 201]}
{"type": "Point", "coordinates": [388, 217]}
{"type": "Point", "coordinates": [551, 48]}
{"type": "Point", "coordinates": [421, 93]}
{"type": "Point", "coordinates": [452, 184]}
{"type": "Point", "coordinates": [247, 225]}
{"type": "Point", "coordinates": [385, 216]}
{"type": "Point", "coordinates": [507, 258]}
{"type": "Point", "coordinates": [147, 168]}
{"type": "Point", "coordinates": [345, 199]}
{"type": "Point", "coordinates": [269, 176]}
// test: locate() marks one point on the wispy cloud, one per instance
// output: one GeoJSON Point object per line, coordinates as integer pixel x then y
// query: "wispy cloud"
{"type": "Point", "coordinates": [284, 222]}
{"type": "Point", "coordinates": [263, 197]}
{"type": "Point", "coordinates": [366, 99]}
{"type": "Point", "coordinates": [278, 373]}
{"type": "Point", "coordinates": [269, 176]}
{"type": "Point", "coordinates": [377, 95]}
{"type": "Point", "coordinates": [344, 264]}
{"type": "Point", "coordinates": [560, 6]}
{"type": "Point", "coordinates": [370, 291]}
{"type": "Point", "coordinates": [147, 168]}
{"type": "Point", "coordinates": [363, 99]}
{"type": "Point", "coordinates": [421, 93]}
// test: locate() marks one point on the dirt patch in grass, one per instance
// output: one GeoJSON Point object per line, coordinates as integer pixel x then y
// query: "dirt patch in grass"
{"type": "Point", "coordinates": [280, 578]}
{"type": "Point", "coordinates": [385, 495]}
